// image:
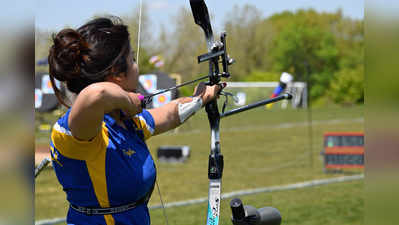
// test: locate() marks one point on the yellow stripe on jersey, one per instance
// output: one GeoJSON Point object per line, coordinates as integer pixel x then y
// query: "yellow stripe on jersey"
{"type": "Point", "coordinates": [109, 219]}
{"type": "Point", "coordinates": [96, 168]}
{"type": "Point", "coordinates": [54, 156]}
{"type": "Point", "coordinates": [142, 124]}
{"type": "Point", "coordinates": [73, 148]}
{"type": "Point", "coordinates": [97, 173]}
{"type": "Point", "coordinates": [93, 153]}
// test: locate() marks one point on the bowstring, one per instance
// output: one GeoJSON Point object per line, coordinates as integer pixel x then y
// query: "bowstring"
{"type": "Point", "coordinates": [137, 60]}
{"type": "Point", "coordinates": [139, 32]}
{"type": "Point", "coordinates": [163, 206]}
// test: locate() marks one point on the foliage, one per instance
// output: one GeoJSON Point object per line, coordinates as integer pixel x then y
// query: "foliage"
{"type": "Point", "coordinates": [248, 41]}
{"type": "Point", "coordinates": [348, 86]}
{"type": "Point", "coordinates": [306, 47]}
{"type": "Point", "coordinates": [312, 46]}
{"type": "Point", "coordinates": [182, 46]}
{"type": "Point", "coordinates": [262, 76]}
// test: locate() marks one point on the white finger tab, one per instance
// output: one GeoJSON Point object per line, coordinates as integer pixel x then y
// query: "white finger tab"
{"type": "Point", "coordinates": [185, 110]}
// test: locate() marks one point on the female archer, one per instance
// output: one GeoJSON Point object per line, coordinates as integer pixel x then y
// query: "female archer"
{"type": "Point", "coordinates": [98, 147]}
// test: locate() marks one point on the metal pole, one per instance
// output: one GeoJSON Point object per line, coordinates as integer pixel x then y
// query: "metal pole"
{"type": "Point", "coordinates": [309, 113]}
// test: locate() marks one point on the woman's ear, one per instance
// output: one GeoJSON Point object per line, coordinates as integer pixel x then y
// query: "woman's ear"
{"type": "Point", "coordinates": [115, 78]}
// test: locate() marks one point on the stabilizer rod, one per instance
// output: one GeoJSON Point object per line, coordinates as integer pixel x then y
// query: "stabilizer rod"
{"type": "Point", "coordinates": [256, 104]}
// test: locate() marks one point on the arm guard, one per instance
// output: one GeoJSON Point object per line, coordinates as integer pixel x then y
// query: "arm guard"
{"type": "Point", "coordinates": [186, 110]}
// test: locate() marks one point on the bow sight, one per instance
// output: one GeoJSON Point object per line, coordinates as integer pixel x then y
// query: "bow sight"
{"type": "Point", "coordinates": [218, 51]}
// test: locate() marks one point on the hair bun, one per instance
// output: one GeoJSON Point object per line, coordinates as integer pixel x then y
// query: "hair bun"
{"type": "Point", "coordinates": [66, 55]}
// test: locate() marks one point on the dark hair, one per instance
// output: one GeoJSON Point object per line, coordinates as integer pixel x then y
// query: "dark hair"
{"type": "Point", "coordinates": [86, 55]}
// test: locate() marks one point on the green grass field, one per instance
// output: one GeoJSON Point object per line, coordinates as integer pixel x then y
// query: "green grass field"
{"type": "Point", "coordinates": [334, 204]}
{"type": "Point", "coordinates": [261, 148]}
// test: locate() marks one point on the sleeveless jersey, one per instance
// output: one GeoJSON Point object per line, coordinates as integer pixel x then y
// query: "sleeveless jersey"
{"type": "Point", "coordinates": [114, 168]}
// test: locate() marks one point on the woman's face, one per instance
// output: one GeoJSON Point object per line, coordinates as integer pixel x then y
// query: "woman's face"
{"type": "Point", "coordinates": [130, 81]}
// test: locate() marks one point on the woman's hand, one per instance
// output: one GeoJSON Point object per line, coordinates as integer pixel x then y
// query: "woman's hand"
{"type": "Point", "coordinates": [208, 93]}
{"type": "Point", "coordinates": [135, 104]}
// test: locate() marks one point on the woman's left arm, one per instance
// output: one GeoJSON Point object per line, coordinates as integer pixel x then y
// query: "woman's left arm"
{"type": "Point", "coordinates": [176, 112]}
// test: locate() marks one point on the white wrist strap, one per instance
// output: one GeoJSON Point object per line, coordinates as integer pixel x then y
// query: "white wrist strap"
{"type": "Point", "coordinates": [185, 110]}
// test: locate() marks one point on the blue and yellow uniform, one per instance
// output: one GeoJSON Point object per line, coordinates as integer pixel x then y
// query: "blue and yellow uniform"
{"type": "Point", "coordinates": [115, 168]}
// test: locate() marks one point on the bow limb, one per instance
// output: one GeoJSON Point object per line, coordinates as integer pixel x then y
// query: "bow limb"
{"type": "Point", "coordinates": [201, 18]}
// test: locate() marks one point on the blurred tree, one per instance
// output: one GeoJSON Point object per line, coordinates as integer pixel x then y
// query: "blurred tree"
{"type": "Point", "coordinates": [43, 42]}
{"type": "Point", "coordinates": [327, 42]}
{"type": "Point", "coordinates": [249, 38]}
{"type": "Point", "coordinates": [146, 37]}
{"type": "Point", "coordinates": [182, 46]}
{"type": "Point", "coordinates": [257, 75]}
{"type": "Point", "coordinates": [347, 86]}
{"type": "Point", "coordinates": [298, 46]}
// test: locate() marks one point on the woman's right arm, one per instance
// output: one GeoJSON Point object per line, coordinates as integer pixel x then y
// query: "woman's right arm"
{"type": "Point", "coordinates": [87, 113]}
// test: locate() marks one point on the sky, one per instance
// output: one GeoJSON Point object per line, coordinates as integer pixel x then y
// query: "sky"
{"type": "Point", "coordinates": [54, 14]}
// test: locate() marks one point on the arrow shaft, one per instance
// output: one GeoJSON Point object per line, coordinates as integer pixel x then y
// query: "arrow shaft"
{"type": "Point", "coordinates": [177, 86]}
